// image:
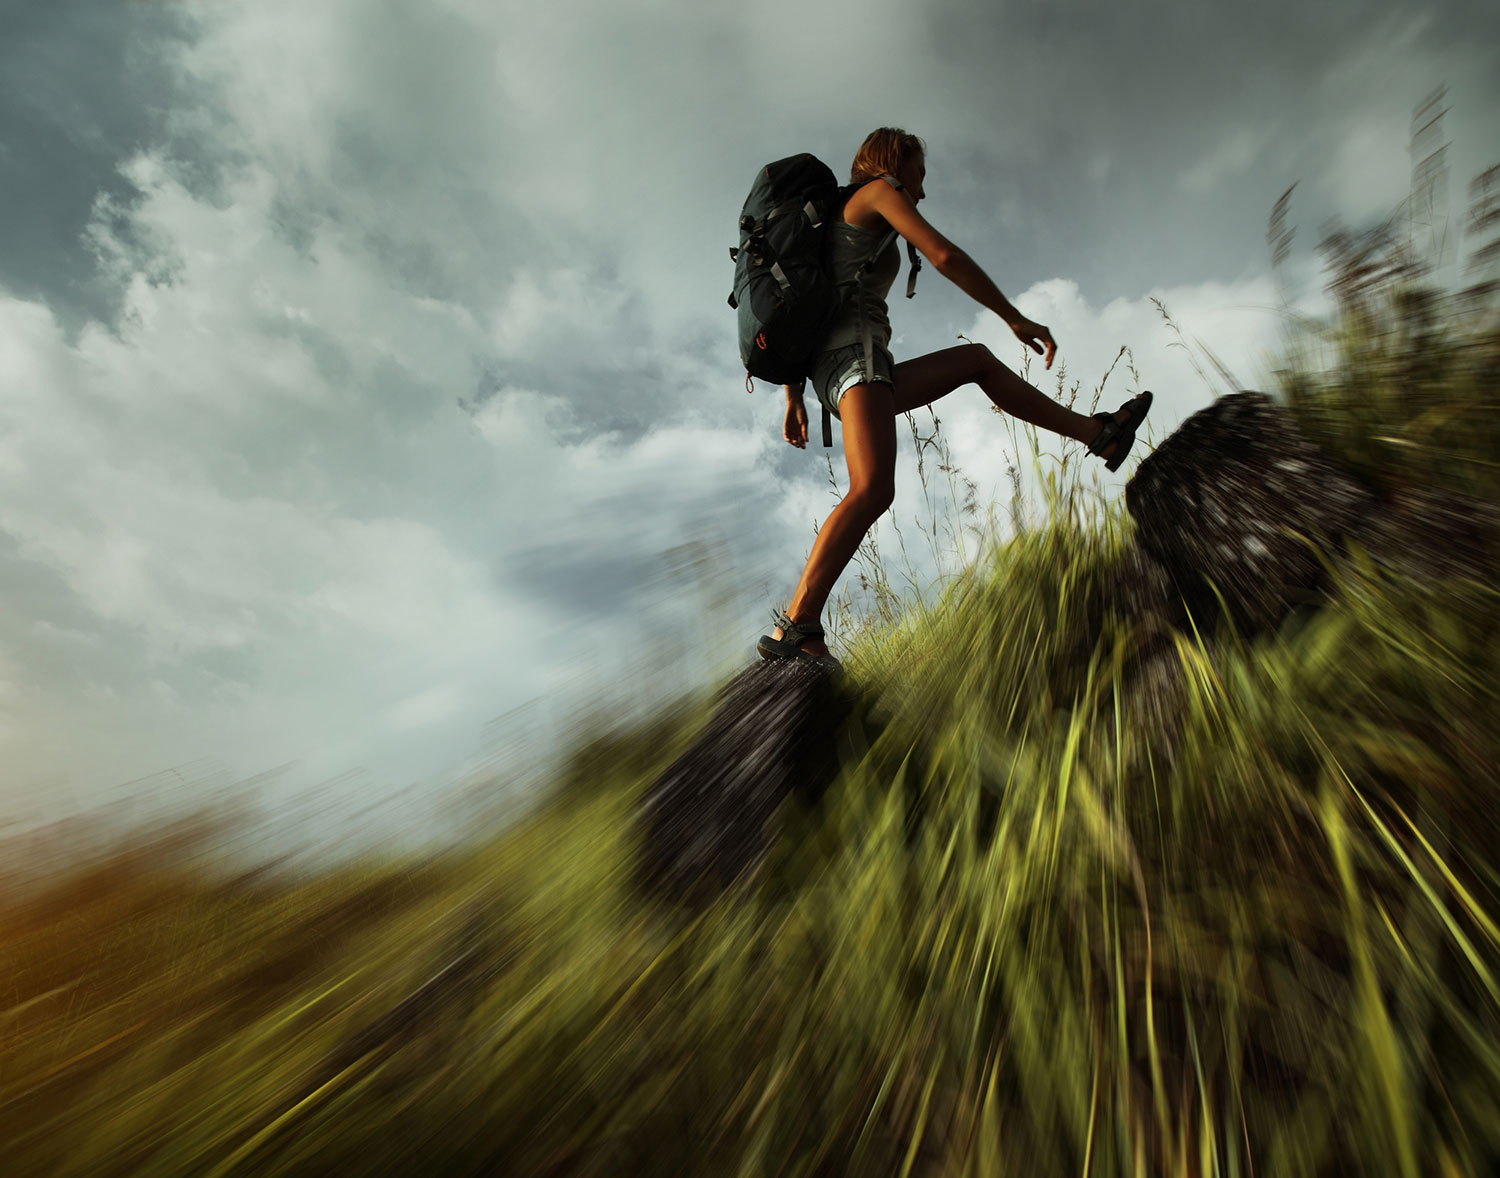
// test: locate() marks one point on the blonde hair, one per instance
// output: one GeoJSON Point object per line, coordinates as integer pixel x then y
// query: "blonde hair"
{"type": "Point", "coordinates": [882, 152]}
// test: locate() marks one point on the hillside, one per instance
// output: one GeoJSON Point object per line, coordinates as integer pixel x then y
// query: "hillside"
{"type": "Point", "coordinates": [1161, 840]}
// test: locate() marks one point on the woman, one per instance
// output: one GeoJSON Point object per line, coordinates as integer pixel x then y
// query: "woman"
{"type": "Point", "coordinates": [855, 378]}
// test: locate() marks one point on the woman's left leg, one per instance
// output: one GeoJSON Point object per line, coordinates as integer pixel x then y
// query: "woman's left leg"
{"type": "Point", "coordinates": [868, 420]}
{"type": "Point", "coordinates": [923, 380]}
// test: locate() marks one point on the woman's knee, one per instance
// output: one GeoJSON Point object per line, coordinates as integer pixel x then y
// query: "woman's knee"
{"type": "Point", "coordinates": [978, 359]}
{"type": "Point", "coordinates": [873, 498]}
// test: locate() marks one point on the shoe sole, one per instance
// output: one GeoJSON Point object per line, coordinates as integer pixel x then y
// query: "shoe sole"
{"type": "Point", "coordinates": [797, 654]}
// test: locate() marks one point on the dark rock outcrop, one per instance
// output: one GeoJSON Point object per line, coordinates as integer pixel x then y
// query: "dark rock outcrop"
{"type": "Point", "coordinates": [1248, 520]}
{"type": "Point", "coordinates": [1241, 520]}
{"type": "Point", "coordinates": [706, 819]}
{"type": "Point", "coordinates": [1243, 512]}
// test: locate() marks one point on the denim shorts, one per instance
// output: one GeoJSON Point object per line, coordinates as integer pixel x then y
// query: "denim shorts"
{"type": "Point", "coordinates": [836, 371]}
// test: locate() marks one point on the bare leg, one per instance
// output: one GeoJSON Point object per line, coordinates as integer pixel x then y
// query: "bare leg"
{"type": "Point", "coordinates": [869, 430]}
{"type": "Point", "coordinates": [923, 380]}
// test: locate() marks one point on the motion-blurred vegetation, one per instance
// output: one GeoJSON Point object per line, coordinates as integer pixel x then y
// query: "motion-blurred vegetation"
{"type": "Point", "coordinates": [1022, 933]}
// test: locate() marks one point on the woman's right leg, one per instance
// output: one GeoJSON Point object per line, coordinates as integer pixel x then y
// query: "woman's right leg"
{"type": "Point", "coordinates": [868, 417]}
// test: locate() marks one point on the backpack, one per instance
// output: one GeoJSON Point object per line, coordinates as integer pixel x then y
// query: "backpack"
{"type": "Point", "coordinates": [783, 295]}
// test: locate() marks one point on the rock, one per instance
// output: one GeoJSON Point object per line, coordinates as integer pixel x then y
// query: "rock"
{"type": "Point", "coordinates": [705, 821]}
{"type": "Point", "coordinates": [1244, 512]}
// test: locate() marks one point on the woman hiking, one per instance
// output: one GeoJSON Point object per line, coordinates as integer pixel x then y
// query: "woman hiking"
{"type": "Point", "coordinates": [855, 378]}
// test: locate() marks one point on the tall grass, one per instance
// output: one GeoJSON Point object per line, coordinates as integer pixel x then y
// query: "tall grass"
{"type": "Point", "coordinates": [1055, 916]}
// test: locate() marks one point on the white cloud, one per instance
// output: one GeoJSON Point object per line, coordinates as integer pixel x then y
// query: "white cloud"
{"type": "Point", "coordinates": [275, 535]}
{"type": "Point", "coordinates": [262, 496]}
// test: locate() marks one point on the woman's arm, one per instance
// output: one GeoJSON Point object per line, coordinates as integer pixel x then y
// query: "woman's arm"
{"type": "Point", "coordinates": [794, 425]}
{"type": "Point", "coordinates": [956, 266]}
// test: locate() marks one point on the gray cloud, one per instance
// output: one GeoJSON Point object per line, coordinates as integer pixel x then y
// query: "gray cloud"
{"type": "Point", "coordinates": [82, 85]}
{"type": "Point", "coordinates": [1147, 143]}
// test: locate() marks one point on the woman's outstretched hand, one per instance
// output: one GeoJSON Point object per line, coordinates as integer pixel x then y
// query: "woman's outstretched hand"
{"type": "Point", "coordinates": [794, 428]}
{"type": "Point", "coordinates": [1034, 335]}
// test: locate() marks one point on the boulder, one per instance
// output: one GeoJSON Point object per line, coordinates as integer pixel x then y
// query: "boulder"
{"type": "Point", "coordinates": [706, 820]}
{"type": "Point", "coordinates": [1244, 513]}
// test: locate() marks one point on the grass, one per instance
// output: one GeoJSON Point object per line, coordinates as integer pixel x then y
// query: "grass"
{"type": "Point", "coordinates": [1053, 917]}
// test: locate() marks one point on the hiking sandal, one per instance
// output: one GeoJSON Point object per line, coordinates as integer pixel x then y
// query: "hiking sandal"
{"type": "Point", "coordinates": [788, 646]}
{"type": "Point", "coordinates": [1122, 433]}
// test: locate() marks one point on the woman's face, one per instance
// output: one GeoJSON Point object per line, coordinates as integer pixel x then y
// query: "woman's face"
{"type": "Point", "coordinates": [911, 174]}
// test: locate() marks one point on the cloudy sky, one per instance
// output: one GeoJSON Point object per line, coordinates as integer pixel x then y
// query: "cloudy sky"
{"type": "Point", "coordinates": [369, 404]}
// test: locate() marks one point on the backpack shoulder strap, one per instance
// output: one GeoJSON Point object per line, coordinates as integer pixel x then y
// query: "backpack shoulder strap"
{"type": "Point", "coordinates": [914, 259]}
